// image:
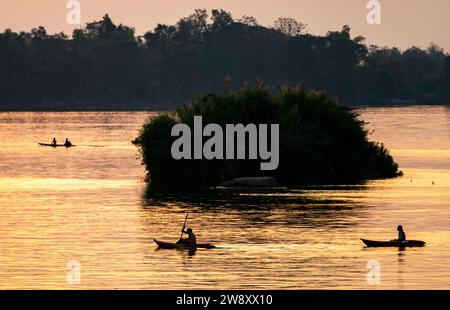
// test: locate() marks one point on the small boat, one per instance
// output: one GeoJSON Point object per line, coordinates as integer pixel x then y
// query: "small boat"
{"type": "Point", "coordinates": [393, 243]}
{"type": "Point", "coordinates": [55, 145]}
{"type": "Point", "coordinates": [173, 245]}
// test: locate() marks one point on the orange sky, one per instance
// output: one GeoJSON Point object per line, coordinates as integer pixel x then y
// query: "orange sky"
{"type": "Point", "coordinates": [404, 23]}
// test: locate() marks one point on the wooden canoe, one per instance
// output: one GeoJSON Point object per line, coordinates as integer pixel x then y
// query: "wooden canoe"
{"type": "Point", "coordinates": [392, 243]}
{"type": "Point", "coordinates": [174, 245]}
{"type": "Point", "coordinates": [55, 145]}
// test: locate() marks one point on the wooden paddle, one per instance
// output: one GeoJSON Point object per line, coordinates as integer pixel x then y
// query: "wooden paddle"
{"type": "Point", "coordinates": [184, 226]}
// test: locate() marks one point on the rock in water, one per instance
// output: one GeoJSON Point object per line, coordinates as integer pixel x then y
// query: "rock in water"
{"type": "Point", "coordinates": [251, 182]}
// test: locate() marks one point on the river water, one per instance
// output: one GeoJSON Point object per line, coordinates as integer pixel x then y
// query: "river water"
{"type": "Point", "coordinates": [88, 205]}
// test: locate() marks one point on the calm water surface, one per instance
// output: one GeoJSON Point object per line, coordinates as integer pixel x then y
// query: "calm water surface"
{"type": "Point", "coordinates": [89, 204]}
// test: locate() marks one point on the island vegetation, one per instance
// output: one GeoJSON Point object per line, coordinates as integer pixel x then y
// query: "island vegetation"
{"type": "Point", "coordinates": [320, 141]}
{"type": "Point", "coordinates": [105, 66]}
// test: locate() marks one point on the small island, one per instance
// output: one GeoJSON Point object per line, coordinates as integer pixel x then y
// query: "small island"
{"type": "Point", "coordinates": [320, 141]}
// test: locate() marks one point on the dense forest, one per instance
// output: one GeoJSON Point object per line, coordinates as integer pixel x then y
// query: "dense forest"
{"type": "Point", "coordinates": [320, 141]}
{"type": "Point", "coordinates": [107, 66]}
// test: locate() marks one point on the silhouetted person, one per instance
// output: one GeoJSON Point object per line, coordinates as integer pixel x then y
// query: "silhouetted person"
{"type": "Point", "coordinates": [401, 234]}
{"type": "Point", "coordinates": [54, 141]}
{"type": "Point", "coordinates": [191, 240]}
{"type": "Point", "coordinates": [67, 143]}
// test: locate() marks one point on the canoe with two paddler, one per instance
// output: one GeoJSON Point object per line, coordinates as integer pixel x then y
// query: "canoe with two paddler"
{"type": "Point", "coordinates": [55, 145]}
{"type": "Point", "coordinates": [393, 243]}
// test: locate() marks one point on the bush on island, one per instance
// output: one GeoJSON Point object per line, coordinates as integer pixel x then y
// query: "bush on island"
{"type": "Point", "coordinates": [320, 141]}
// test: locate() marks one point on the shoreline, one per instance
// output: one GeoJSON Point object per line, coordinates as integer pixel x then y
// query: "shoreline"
{"type": "Point", "coordinates": [171, 108]}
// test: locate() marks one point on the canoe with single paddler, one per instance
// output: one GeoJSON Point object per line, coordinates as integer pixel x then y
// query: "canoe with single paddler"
{"type": "Point", "coordinates": [174, 245]}
{"type": "Point", "coordinates": [393, 243]}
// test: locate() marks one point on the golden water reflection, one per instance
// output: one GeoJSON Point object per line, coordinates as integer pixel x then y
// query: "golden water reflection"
{"type": "Point", "coordinates": [90, 204]}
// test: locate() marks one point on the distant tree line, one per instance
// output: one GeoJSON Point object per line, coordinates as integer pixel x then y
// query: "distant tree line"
{"type": "Point", "coordinates": [107, 66]}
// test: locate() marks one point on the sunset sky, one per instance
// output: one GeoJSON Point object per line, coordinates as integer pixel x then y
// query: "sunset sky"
{"type": "Point", "coordinates": [404, 23]}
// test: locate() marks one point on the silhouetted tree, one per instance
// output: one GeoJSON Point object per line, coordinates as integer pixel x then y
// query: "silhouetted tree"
{"type": "Point", "coordinates": [39, 34]}
{"type": "Point", "coordinates": [290, 26]}
{"type": "Point", "coordinates": [161, 37]}
{"type": "Point", "coordinates": [249, 21]}
{"type": "Point", "coordinates": [220, 19]}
